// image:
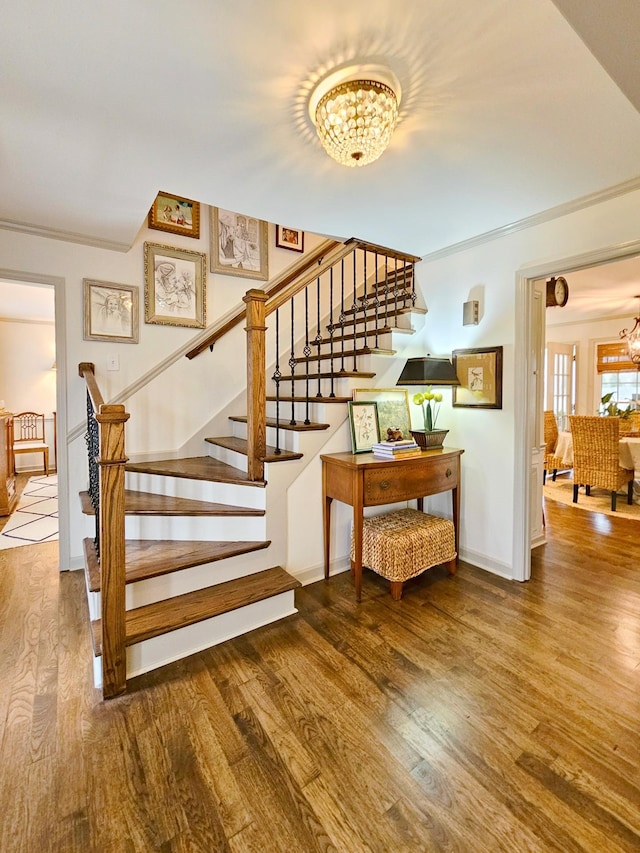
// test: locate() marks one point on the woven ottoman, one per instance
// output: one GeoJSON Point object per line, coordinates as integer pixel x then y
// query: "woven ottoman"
{"type": "Point", "coordinates": [402, 544]}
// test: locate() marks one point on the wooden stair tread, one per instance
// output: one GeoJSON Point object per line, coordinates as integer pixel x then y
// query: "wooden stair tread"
{"type": "Point", "coordinates": [299, 426]}
{"type": "Point", "coordinates": [161, 617]}
{"type": "Point", "coordinates": [149, 558]}
{"type": "Point", "coordinates": [196, 468]}
{"type": "Point", "coordinates": [231, 442]}
{"type": "Point", "coordinates": [369, 333]}
{"type": "Point", "coordinates": [338, 374]}
{"type": "Point", "coordinates": [350, 353]}
{"type": "Point", "coordinates": [382, 315]}
{"type": "Point", "coordinates": [310, 399]}
{"type": "Point", "coordinates": [146, 503]}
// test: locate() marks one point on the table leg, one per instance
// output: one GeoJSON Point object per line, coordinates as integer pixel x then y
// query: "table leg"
{"type": "Point", "coordinates": [455, 497]}
{"type": "Point", "coordinates": [326, 512]}
{"type": "Point", "coordinates": [357, 550]}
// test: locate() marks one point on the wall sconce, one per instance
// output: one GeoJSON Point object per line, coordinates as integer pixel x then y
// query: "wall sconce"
{"type": "Point", "coordinates": [471, 313]}
{"type": "Point", "coordinates": [428, 371]}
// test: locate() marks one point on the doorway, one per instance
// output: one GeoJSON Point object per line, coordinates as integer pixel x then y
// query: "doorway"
{"type": "Point", "coordinates": [20, 277]}
{"type": "Point", "coordinates": [529, 349]}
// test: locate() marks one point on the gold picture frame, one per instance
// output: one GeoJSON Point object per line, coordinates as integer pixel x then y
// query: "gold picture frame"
{"type": "Point", "coordinates": [479, 371]}
{"type": "Point", "coordinates": [174, 286]}
{"type": "Point", "coordinates": [110, 311]}
{"type": "Point", "coordinates": [238, 245]}
{"type": "Point", "coordinates": [393, 408]}
{"type": "Point", "coordinates": [176, 215]}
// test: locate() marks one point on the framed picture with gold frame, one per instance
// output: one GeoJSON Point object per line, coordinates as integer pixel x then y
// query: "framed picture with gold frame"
{"type": "Point", "coordinates": [393, 408]}
{"type": "Point", "coordinates": [110, 312]}
{"type": "Point", "coordinates": [176, 215]}
{"type": "Point", "coordinates": [480, 374]}
{"type": "Point", "coordinates": [238, 245]}
{"type": "Point", "coordinates": [174, 286]}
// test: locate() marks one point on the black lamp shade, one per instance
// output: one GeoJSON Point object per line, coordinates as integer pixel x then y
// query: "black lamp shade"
{"type": "Point", "coordinates": [428, 371]}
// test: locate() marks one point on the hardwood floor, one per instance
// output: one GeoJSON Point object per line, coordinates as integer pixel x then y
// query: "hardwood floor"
{"type": "Point", "coordinates": [477, 714]}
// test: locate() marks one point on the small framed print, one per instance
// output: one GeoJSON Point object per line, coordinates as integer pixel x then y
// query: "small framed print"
{"type": "Point", "coordinates": [289, 238]}
{"type": "Point", "coordinates": [393, 408]}
{"type": "Point", "coordinates": [110, 312]}
{"type": "Point", "coordinates": [480, 375]}
{"type": "Point", "coordinates": [175, 215]}
{"type": "Point", "coordinates": [174, 286]}
{"type": "Point", "coordinates": [238, 245]}
{"type": "Point", "coordinates": [365, 429]}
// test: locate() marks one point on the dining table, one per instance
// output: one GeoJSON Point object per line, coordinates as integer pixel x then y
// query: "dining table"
{"type": "Point", "coordinates": [629, 447]}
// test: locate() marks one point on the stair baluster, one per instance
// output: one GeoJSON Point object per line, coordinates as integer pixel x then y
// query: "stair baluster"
{"type": "Point", "coordinates": [292, 365]}
{"type": "Point", "coordinates": [354, 306]}
{"type": "Point", "coordinates": [332, 392]}
{"type": "Point", "coordinates": [318, 338]}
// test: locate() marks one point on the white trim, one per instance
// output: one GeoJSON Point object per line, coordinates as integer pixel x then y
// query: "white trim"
{"type": "Point", "coordinates": [524, 365]}
{"type": "Point", "coordinates": [62, 463]}
{"type": "Point", "coordinates": [538, 219]}
{"type": "Point", "coordinates": [66, 236]}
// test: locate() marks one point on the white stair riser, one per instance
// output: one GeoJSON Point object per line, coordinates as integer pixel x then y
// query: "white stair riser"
{"type": "Point", "coordinates": [196, 577]}
{"type": "Point", "coordinates": [185, 528]}
{"type": "Point", "coordinates": [287, 440]}
{"type": "Point", "coordinates": [159, 651]}
{"type": "Point", "coordinates": [229, 457]}
{"type": "Point", "coordinates": [205, 490]}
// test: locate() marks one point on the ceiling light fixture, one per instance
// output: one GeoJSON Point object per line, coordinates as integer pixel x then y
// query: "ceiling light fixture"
{"type": "Point", "coordinates": [355, 111]}
{"type": "Point", "coordinates": [633, 340]}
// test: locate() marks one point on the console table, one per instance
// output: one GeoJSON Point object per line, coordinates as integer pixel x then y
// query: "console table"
{"type": "Point", "coordinates": [363, 479]}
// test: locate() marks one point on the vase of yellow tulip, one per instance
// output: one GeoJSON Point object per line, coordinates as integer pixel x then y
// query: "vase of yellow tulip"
{"type": "Point", "coordinates": [429, 403]}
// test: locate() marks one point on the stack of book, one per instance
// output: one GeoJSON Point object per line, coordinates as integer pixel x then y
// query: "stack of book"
{"type": "Point", "coordinates": [406, 448]}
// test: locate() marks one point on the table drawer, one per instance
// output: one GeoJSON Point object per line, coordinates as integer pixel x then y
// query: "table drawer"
{"type": "Point", "coordinates": [411, 480]}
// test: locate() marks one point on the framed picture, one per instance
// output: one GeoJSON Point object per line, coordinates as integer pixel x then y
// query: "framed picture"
{"type": "Point", "coordinates": [365, 430]}
{"type": "Point", "coordinates": [289, 238]}
{"type": "Point", "coordinates": [480, 375]}
{"type": "Point", "coordinates": [110, 312]}
{"type": "Point", "coordinates": [393, 408]}
{"type": "Point", "coordinates": [238, 245]}
{"type": "Point", "coordinates": [174, 286]}
{"type": "Point", "coordinates": [175, 215]}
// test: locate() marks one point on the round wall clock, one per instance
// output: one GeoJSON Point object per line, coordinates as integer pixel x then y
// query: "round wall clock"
{"type": "Point", "coordinates": [557, 292]}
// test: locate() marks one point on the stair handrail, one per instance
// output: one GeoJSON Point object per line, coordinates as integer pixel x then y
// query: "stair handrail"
{"type": "Point", "coordinates": [278, 283]}
{"type": "Point", "coordinates": [106, 487]}
{"type": "Point", "coordinates": [262, 303]}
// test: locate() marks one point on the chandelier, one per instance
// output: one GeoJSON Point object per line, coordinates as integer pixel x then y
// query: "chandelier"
{"type": "Point", "coordinates": [355, 113]}
{"type": "Point", "coordinates": [633, 340]}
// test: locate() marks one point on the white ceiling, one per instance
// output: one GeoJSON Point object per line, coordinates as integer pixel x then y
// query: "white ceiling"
{"type": "Point", "coordinates": [506, 113]}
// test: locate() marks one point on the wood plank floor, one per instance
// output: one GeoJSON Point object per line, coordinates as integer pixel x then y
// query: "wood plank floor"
{"type": "Point", "coordinates": [477, 714]}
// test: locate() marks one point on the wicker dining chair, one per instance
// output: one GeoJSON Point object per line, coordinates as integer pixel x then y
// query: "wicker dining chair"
{"type": "Point", "coordinates": [551, 462]}
{"type": "Point", "coordinates": [596, 457]}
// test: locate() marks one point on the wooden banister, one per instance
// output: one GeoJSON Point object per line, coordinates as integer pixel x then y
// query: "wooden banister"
{"type": "Point", "coordinates": [111, 461]}
{"type": "Point", "coordinates": [281, 281]}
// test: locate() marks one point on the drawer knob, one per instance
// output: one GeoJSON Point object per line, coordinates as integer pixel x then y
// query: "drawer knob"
{"type": "Point", "coordinates": [384, 484]}
{"type": "Point", "coordinates": [448, 472]}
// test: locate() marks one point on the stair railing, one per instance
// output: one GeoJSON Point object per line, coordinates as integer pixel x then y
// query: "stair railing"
{"type": "Point", "coordinates": [105, 446]}
{"type": "Point", "coordinates": [305, 303]}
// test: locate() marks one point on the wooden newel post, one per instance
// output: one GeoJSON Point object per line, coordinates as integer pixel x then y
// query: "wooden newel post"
{"type": "Point", "coordinates": [111, 461]}
{"type": "Point", "coordinates": [256, 383]}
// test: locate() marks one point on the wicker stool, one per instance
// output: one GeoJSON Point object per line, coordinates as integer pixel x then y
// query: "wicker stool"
{"type": "Point", "coordinates": [402, 544]}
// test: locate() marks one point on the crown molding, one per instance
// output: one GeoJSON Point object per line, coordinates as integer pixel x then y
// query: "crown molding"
{"type": "Point", "coordinates": [537, 219]}
{"type": "Point", "coordinates": [65, 236]}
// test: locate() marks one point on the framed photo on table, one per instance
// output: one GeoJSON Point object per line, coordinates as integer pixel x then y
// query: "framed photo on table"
{"type": "Point", "coordinates": [480, 374]}
{"type": "Point", "coordinates": [238, 245]}
{"type": "Point", "coordinates": [393, 408]}
{"type": "Point", "coordinates": [110, 312]}
{"type": "Point", "coordinates": [365, 430]}
{"type": "Point", "coordinates": [289, 238]}
{"type": "Point", "coordinates": [175, 215]}
{"type": "Point", "coordinates": [174, 286]}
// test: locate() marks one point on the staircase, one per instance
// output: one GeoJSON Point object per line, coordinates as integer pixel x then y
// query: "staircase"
{"type": "Point", "coordinates": [195, 555]}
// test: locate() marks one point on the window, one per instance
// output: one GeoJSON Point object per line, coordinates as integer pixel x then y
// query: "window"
{"type": "Point", "coordinates": [618, 375]}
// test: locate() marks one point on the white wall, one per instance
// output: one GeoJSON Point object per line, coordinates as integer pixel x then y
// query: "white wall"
{"type": "Point", "coordinates": [488, 437]}
{"type": "Point", "coordinates": [27, 383]}
{"type": "Point", "coordinates": [166, 418]}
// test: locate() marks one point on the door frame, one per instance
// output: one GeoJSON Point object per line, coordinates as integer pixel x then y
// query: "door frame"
{"type": "Point", "coordinates": [524, 398]}
{"type": "Point", "coordinates": [58, 283]}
